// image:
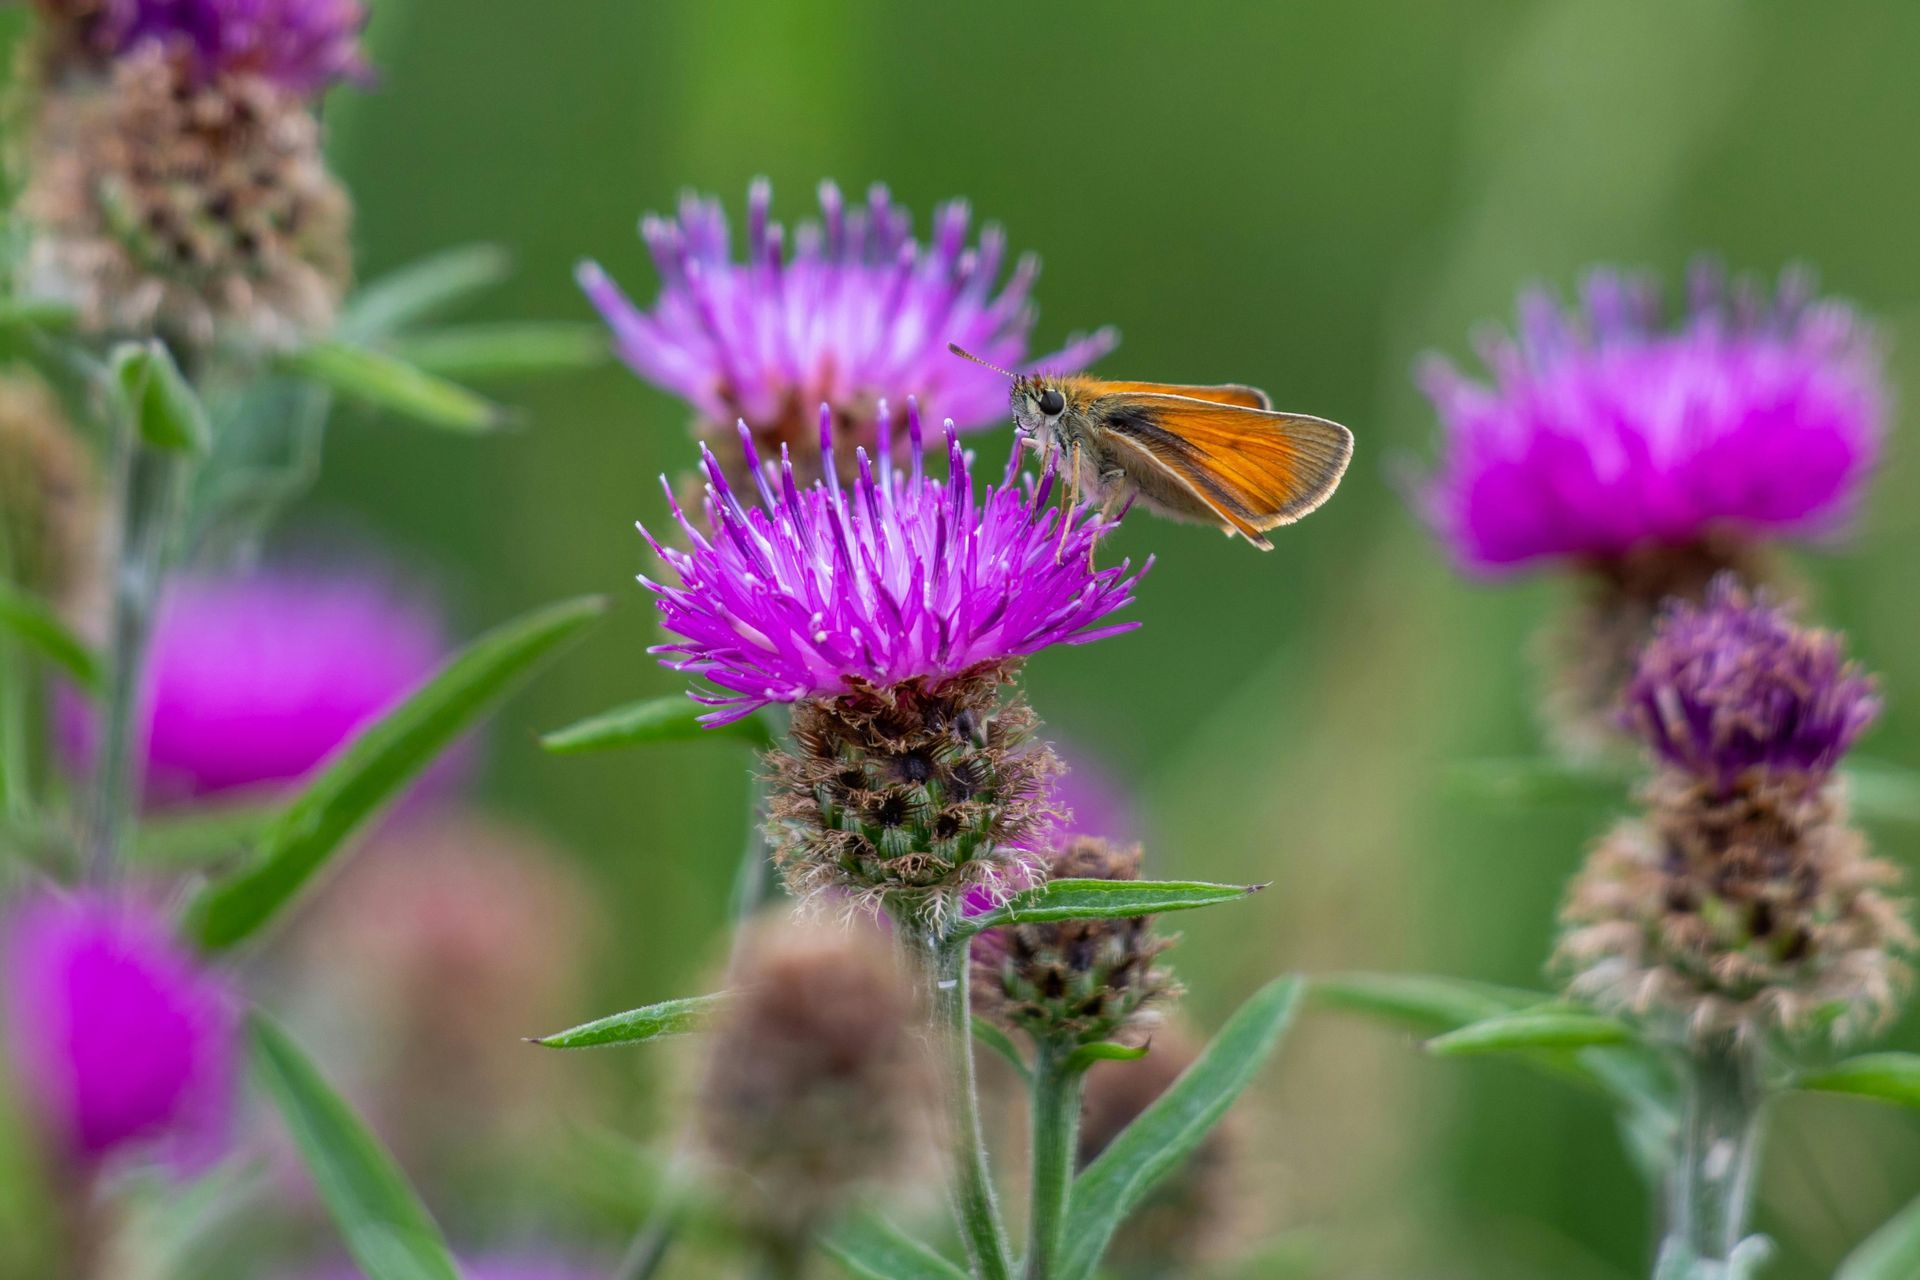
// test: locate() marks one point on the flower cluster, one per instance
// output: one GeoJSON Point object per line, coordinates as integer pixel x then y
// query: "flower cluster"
{"type": "Point", "coordinates": [1742, 903]}
{"type": "Point", "coordinates": [303, 46]}
{"type": "Point", "coordinates": [849, 311]}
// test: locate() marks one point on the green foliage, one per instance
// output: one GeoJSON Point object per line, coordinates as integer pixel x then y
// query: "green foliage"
{"type": "Point", "coordinates": [376, 766]}
{"type": "Point", "coordinates": [1884, 1077]}
{"type": "Point", "coordinates": [385, 382]}
{"type": "Point", "coordinates": [33, 621]}
{"type": "Point", "coordinates": [1073, 899]}
{"type": "Point", "coordinates": [1103, 1051]}
{"type": "Point", "coordinates": [668, 1018]}
{"type": "Point", "coordinates": [510, 349]}
{"type": "Point", "coordinates": [871, 1248]}
{"type": "Point", "coordinates": [385, 1227]}
{"type": "Point", "coordinates": [1531, 1031]}
{"type": "Point", "coordinates": [674, 718]}
{"type": "Point", "coordinates": [1167, 1132]}
{"type": "Point", "coordinates": [1891, 1253]}
{"type": "Point", "coordinates": [1423, 1002]}
{"type": "Point", "coordinates": [163, 408]}
{"type": "Point", "coordinates": [422, 290]}
{"type": "Point", "coordinates": [1001, 1043]}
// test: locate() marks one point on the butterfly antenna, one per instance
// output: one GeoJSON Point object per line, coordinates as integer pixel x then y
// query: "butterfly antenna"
{"type": "Point", "coordinates": [965, 354]}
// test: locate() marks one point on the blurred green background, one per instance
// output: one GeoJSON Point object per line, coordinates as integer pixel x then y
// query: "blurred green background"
{"type": "Point", "coordinates": [1304, 196]}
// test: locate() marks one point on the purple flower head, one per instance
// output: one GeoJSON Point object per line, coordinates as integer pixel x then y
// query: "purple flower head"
{"type": "Point", "coordinates": [822, 588]}
{"type": "Point", "coordinates": [304, 46]}
{"type": "Point", "coordinates": [117, 1036]}
{"type": "Point", "coordinates": [850, 311]}
{"type": "Point", "coordinates": [1733, 686]}
{"type": "Point", "coordinates": [1604, 431]}
{"type": "Point", "coordinates": [256, 679]}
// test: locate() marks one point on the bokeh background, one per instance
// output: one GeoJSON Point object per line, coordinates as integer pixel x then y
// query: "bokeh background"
{"type": "Point", "coordinates": [1304, 196]}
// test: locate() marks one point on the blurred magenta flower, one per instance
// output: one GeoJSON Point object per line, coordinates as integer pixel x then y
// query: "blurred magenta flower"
{"type": "Point", "coordinates": [822, 590]}
{"type": "Point", "coordinates": [850, 310]}
{"type": "Point", "coordinates": [1091, 800]}
{"type": "Point", "coordinates": [117, 1036]}
{"type": "Point", "coordinates": [255, 679]}
{"type": "Point", "coordinates": [1735, 686]}
{"type": "Point", "coordinates": [304, 46]}
{"type": "Point", "coordinates": [1604, 432]}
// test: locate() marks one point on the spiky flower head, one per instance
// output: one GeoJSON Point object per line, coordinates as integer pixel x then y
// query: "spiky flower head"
{"type": "Point", "coordinates": [303, 46]}
{"type": "Point", "coordinates": [1733, 687]}
{"type": "Point", "coordinates": [1742, 902]}
{"type": "Point", "coordinates": [815, 1085]}
{"type": "Point", "coordinates": [824, 591]}
{"type": "Point", "coordinates": [849, 311]}
{"type": "Point", "coordinates": [120, 1039]}
{"type": "Point", "coordinates": [1606, 430]}
{"type": "Point", "coordinates": [197, 209]}
{"type": "Point", "coordinates": [1076, 981]}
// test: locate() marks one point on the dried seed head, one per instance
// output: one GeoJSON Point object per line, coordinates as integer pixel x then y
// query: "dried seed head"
{"type": "Point", "coordinates": [49, 499]}
{"type": "Point", "coordinates": [1194, 1215]}
{"type": "Point", "coordinates": [199, 210]}
{"type": "Point", "coordinates": [815, 1084]}
{"type": "Point", "coordinates": [914, 793]}
{"type": "Point", "coordinates": [1076, 981]}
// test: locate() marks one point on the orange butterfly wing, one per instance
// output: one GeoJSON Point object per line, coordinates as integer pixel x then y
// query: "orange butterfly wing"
{"type": "Point", "coordinates": [1232, 393]}
{"type": "Point", "coordinates": [1255, 469]}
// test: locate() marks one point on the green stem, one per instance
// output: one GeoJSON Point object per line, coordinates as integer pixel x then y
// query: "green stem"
{"type": "Point", "coordinates": [1710, 1190]}
{"type": "Point", "coordinates": [945, 963]}
{"type": "Point", "coordinates": [1055, 1120]}
{"type": "Point", "coordinates": [152, 482]}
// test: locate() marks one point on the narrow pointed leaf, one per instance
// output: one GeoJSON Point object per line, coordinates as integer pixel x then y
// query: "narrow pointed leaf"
{"type": "Point", "coordinates": [37, 313]}
{"type": "Point", "coordinates": [421, 290]}
{"type": "Point", "coordinates": [1167, 1132]}
{"type": "Point", "coordinates": [1104, 1051]}
{"type": "Point", "coordinates": [1001, 1043]}
{"type": "Point", "coordinates": [1422, 1001]}
{"type": "Point", "coordinates": [1891, 1253]}
{"type": "Point", "coordinates": [376, 766]}
{"type": "Point", "coordinates": [166, 410]}
{"type": "Point", "coordinates": [872, 1248]}
{"type": "Point", "coordinates": [1073, 899]}
{"type": "Point", "coordinates": [1531, 1030]}
{"type": "Point", "coordinates": [668, 1018]}
{"type": "Point", "coordinates": [1885, 1077]}
{"type": "Point", "coordinates": [384, 1225]}
{"type": "Point", "coordinates": [523, 350]}
{"type": "Point", "coordinates": [383, 382]}
{"type": "Point", "coordinates": [202, 836]}
{"type": "Point", "coordinates": [674, 718]}
{"type": "Point", "coordinates": [34, 623]}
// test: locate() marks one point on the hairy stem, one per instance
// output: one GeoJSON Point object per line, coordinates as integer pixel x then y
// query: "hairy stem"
{"type": "Point", "coordinates": [1055, 1121]}
{"type": "Point", "coordinates": [151, 485]}
{"type": "Point", "coordinates": [1710, 1190]}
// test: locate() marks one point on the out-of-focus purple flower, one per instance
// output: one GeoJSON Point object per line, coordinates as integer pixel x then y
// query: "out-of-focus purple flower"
{"type": "Point", "coordinates": [253, 680]}
{"type": "Point", "coordinates": [1604, 432]}
{"type": "Point", "coordinates": [118, 1037]}
{"type": "Point", "coordinates": [305, 46]}
{"type": "Point", "coordinates": [849, 311]}
{"type": "Point", "coordinates": [1091, 800]}
{"type": "Point", "coordinates": [822, 589]}
{"type": "Point", "coordinates": [1734, 686]}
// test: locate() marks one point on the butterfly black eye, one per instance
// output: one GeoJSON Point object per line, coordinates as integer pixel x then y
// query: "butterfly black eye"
{"type": "Point", "coordinates": [1052, 403]}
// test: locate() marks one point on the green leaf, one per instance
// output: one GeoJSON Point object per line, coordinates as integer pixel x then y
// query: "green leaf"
{"type": "Point", "coordinates": [425, 288]}
{"type": "Point", "coordinates": [1427, 1003]}
{"type": "Point", "coordinates": [383, 382]}
{"type": "Point", "coordinates": [385, 1227]}
{"type": "Point", "coordinates": [376, 765]}
{"type": "Point", "coordinates": [36, 625]}
{"type": "Point", "coordinates": [1538, 780]}
{"type": "Point", "coordinates": [38, 313]}
{"type": "Point", "coordinates": [166, 411]}
{"type": "Point", "coordinates": [509, 350]}
{"type": "Point", "coordinates": [668, 1018]}
{"type": "Point", "coordinates": [1001, 1043]}
{"type": "Point", "coordinates": [1167, 1132]}
{"type": "Point", "coordinates": [1104, 1051]}
{"type": "Point", "coordinates": [1885, 1077]}
{"type": "Point", "coordinates": [1891, 1253]}
{"type": "Point", "coordinates": [674, 718]}
{"type": "Point", "coordinates": [874, 1249]}
{"type": "Point", "coordinates": [1072, 899]}
{"type": "Point", "coordinates": [197, 837]}
{"type": "Point", "coordinates": [1530, 1030]}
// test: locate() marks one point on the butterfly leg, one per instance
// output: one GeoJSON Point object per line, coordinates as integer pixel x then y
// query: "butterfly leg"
{"type": "Point", "coordinates": [1116, 496]}
{"type": "Point", "coordinates": [1073, 501]}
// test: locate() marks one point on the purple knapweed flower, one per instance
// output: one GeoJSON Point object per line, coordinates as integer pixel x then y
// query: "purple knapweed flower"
{"type": "Point", "coordinates": [1604, 431]}
{"type": "Point", "coordinates": [118, 1037]}
{"type": "Point", "coordinates": [304, 46]}
{"type": "Point", "coordinates": [848, 311]}
{"type": "Point", "coordinates": [1734, 686]}
{"type": "Point", "coordinates": [254, 680]}
{"type": "Point", "coordinates": [822, 589]}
